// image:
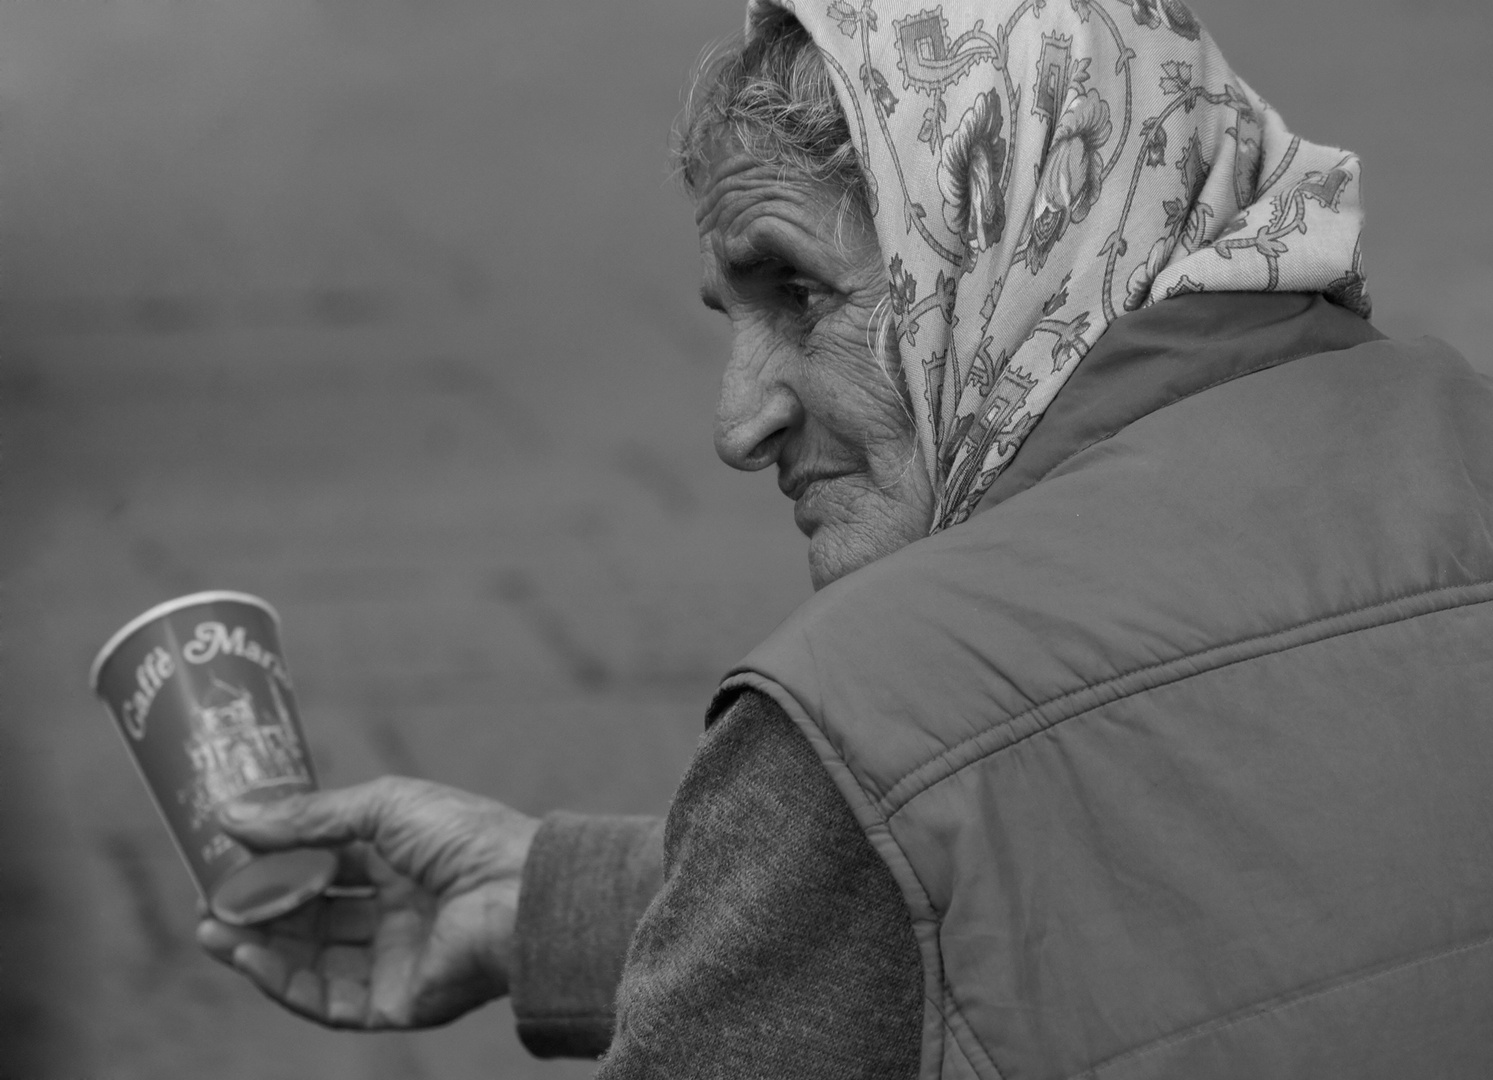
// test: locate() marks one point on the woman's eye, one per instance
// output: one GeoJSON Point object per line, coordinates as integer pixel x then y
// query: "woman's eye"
{"type": "Point", "coordinates": [798, 295]}
{"type": "Point", "coordinates": [803, 296]}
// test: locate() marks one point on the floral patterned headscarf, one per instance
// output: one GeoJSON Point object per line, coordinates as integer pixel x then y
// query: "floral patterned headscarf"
{"type": "Point", "coordinates": [1037, 168]}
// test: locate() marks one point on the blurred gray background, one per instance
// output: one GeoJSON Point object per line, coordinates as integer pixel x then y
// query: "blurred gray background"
{"type": "Point", "coordinates": [386, 310]}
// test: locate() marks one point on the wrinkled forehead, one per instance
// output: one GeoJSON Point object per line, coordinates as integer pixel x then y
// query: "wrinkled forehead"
{"type": "Point", "coordinates": [737, 192]}
{"type": "Point", "coordinates": [753, 215]}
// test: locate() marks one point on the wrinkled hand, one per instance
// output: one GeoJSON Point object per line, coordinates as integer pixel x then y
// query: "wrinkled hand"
{"type": "Point", "coordinates": [431, 937]}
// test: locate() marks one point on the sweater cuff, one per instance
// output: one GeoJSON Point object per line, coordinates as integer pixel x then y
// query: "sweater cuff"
{"type": "Point", "coordinates": [585, 885]}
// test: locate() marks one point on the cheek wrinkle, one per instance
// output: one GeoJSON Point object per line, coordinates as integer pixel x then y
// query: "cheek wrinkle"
{"type": "Point", "coordinates": [879, 345]}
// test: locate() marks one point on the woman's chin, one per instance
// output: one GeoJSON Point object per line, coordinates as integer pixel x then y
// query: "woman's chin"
{"type": "Point", "coordinates": [846, 534]}
{"type": "Point", "coordinates": [832, 554]}
{"type": "Point", "coordinates": [822, 571]}
{"type": "Point", "coordinates": [836, 547]}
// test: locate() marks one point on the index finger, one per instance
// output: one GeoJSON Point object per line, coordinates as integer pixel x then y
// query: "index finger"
{"type": "Point", "coordinates": [308, 819]}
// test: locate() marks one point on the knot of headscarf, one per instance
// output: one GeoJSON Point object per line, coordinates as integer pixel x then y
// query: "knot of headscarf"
{"type": "Point", "coordinates": [1037, 168]}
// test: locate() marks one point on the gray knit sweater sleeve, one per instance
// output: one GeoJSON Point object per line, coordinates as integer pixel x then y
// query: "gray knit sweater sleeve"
{"type": "Point", "coordinates": [777, 945]}
{"type": "Point", "coordinates": [586, 882]}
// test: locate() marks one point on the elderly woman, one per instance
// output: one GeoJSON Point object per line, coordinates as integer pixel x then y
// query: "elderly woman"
{"type": "Point", "coordinates": [1138, 725]}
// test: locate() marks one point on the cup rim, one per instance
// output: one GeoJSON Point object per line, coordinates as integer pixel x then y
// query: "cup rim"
{"type": "Point", "coordinates": [164, 608]}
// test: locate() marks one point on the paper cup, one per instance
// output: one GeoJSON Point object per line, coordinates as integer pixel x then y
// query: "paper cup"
{"type": "Point", "coordinates": [200, 692]}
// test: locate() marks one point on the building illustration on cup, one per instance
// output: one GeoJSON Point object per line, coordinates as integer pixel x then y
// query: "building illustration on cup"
{"type": "Point", "coordinates": [204, 700]}
{"type": "Point", "coordinates": [236, 749]}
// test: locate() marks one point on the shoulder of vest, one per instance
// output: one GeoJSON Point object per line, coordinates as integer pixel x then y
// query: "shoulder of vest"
{"type": "Point", "coordinates": [1338, 486]}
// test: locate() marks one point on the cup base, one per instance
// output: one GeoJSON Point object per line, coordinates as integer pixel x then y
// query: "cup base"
{"type": "Point", "coordinates": [272, 885]}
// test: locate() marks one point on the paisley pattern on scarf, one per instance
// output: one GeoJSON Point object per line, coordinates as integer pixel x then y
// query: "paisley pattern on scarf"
{"type": "Point", "coordinates": [1036, 169]}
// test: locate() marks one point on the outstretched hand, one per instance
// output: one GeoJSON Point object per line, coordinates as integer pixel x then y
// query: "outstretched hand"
{"type": "Point", "coordinates": [419, 925]}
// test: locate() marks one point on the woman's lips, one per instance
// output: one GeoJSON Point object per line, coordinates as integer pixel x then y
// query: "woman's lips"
{"type": "Point", "coordinates": [806, 495]}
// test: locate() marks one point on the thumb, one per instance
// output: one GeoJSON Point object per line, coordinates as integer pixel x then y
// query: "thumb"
{"type": "Point", "coordinates": [313, 819]}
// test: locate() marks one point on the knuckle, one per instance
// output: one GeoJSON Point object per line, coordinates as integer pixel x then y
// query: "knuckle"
{"type": "Point", "coordinates": [385, 799]}
{"type": "Point", "coordinates": [383, 789]}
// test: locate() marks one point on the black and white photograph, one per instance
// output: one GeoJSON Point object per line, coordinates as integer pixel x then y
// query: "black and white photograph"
{"type": "Point", "coordinates": [762, 539]}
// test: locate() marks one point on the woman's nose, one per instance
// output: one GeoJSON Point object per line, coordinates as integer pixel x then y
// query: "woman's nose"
{"type": "Point", "coordinates": [757, 412]}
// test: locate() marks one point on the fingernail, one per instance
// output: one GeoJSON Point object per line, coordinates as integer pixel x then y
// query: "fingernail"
{"type": "Point", "coordinates": [239, 812]}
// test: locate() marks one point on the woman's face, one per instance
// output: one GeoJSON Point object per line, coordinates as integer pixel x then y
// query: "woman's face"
{"type": "Point", "coordinates": [803, 390]}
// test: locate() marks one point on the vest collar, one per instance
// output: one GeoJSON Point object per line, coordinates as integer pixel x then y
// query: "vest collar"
{"type": "Point", "coordinates": [1173, 349]}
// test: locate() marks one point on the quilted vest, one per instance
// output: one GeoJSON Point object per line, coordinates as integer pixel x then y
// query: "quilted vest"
{"type": "Point", "coordinates": [1181, 749]}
